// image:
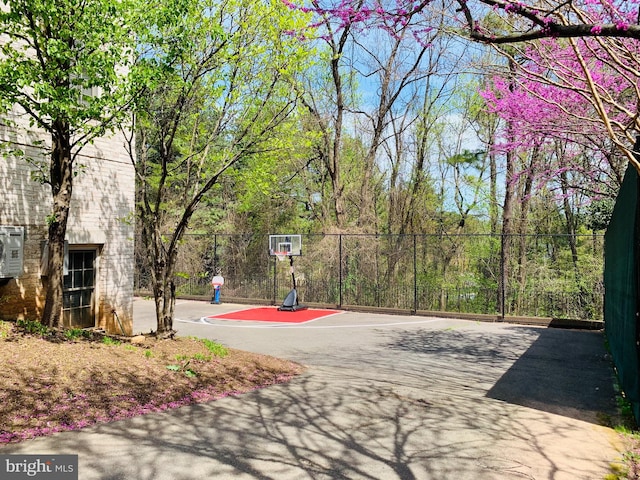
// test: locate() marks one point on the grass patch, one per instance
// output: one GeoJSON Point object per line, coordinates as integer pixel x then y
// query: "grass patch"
{"type": "Point", "coordinates": [110, 341]}
{"type": "Point", "coordinates": [76, 333]}
{"type": "Point", "coordinates": [625, 425]}
{"type": "Point", "coordinates": [215, 348]}
{"type": "Point", "coordinates": [5, 328]}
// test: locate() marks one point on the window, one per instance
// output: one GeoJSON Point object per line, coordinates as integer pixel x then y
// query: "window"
{"type": "Point", "coordinates": [79, 287]}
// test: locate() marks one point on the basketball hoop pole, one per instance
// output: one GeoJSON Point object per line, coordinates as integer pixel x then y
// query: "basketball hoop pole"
{"type": "Point", "coordinates": [293, 275]}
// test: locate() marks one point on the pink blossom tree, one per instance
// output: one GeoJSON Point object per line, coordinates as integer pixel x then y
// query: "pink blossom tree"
{"type": "Point", "coordinates": [580, 93]}
{"type": "Point", "coordinates": [589, 50]}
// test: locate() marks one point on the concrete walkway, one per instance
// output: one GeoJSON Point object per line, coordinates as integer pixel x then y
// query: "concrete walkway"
{"type": "Point", "coordinates": [385, 397]}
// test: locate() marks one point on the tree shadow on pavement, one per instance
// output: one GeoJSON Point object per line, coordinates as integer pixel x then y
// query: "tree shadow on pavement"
{"type": "Point", "coordinates": [565, 372]}
{"type": "Point", "coordinates": [418, 404]}
{"type": "Point", "coordinates": [341, 429]}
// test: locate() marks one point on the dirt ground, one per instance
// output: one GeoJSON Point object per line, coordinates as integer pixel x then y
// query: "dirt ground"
{"type": "Point", "coordinates": [53, 382]}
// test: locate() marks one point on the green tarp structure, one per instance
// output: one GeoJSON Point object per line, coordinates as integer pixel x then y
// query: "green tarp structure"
{"type": "Point", "coordinates": [621, 288]}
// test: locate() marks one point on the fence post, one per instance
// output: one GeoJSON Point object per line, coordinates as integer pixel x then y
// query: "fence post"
{"type": "Point", "coordinates": [501, 279]}
{"type": "Point", "coordinates": [415, 274]}
{"type": "Point", "coordinates": [275, 287]}
{"type": "Point", "coordinates": [215, 254]}
{"type": "Point", "coordinates": [340, 270]}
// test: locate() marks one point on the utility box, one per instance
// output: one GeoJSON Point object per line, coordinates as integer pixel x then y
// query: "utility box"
{"type": "Point", "coordinates": [11, 251]}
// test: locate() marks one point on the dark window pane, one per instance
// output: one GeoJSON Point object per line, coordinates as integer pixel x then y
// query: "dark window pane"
{"type": "Point", "coordinates": [74, 261]}
{"type": "Point", "coordinates": [74, 299]}
{"type": "Point", "coordinates": [77, 279]}
{"type": "Point", "coordinates": [86, 297]}
{"type": "Point", "coordinates": [88, 278]}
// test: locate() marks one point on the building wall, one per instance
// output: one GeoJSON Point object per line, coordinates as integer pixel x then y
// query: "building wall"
{"type": "Point", "coordinates": [101, 218]}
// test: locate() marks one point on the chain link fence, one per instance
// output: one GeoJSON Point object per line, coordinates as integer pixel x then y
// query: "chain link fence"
{"type": "Point", "coordinates": [558, 276]}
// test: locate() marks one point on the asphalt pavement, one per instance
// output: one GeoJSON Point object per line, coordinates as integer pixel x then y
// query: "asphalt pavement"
{"type": "Point", "coordinates": [384, 397]}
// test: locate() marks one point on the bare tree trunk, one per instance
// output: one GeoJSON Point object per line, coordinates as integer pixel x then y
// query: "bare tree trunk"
{"type": "Point", "coordinates": [525, 204]}
{"type": "Point", "coordinates": [337, 187]}
{"type": "Point", "coordinates": [162, 262]}
{"type": "Point", "coordinates": [335, 153]}
{"type": "Point", "coordinates": [330, 148]}
{"type": "Point", "coordinates": [507, 216]}
{"type": "Point", "coordinates": [493, 193]}
{"type": "Point", "coordinates": [507, 230]}
{"type": "Point", "coordinates": [61, 178]}
{"type": "Point", "coordinates": [164, 290]}
{"type": "Point", "coordinates": [571, 222]}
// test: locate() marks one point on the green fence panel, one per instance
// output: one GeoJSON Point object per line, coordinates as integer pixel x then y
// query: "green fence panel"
{"type": "Point", "coordinates": [620, 280]}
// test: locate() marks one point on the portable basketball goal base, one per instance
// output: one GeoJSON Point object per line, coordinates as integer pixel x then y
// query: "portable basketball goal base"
{"type": "Point", "coordinates": [281, 247]}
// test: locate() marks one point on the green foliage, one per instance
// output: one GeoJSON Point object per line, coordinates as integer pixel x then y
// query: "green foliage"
{"type": "Point", "coordinates": [75, 333]}
{"type": "Point", "coordinates": [196, 356]}
{"type": "Point", "coordinates": [69, 53]}
{"type": "Point", "coordinates": [33, 327]}
{"type": "Point", "coordinates": [626, 411]}
{"type": "Point", "coordinates": [5, 329]}
{"type": "Point", "coordinates": [220, 89]}
{"type": "Point", "coordinates": [599, 213]}
{"type": "Point", "coordinates": [110, 341]}
{"type": "Point", "coordinates": [148, 353]}
{"type": "Point", "coordinates": [215, 348]}
{"type": "Point", "coordinates": [184, 368]}
{"type": "Point", "coordinates": [629, 467]}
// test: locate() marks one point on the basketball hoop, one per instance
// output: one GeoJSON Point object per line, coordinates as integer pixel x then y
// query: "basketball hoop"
{"type": "Point", "coordinates": [281, 247]}
{"type": "Point", "coordinates": [281, 256]}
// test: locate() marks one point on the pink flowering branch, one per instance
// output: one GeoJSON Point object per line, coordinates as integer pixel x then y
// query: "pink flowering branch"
{"type": "Point", "coordinates": [574, 93]}
{"type": "Point", "coordinates": [618, 18]}
{"type": "Point", "coordinates": [547, 23]}
{"type": "Point", "coordinates": [50, 425]}
{"type": "Point", "coordinates": [603, 35]}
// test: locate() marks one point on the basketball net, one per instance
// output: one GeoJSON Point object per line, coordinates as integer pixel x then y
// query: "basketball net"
{"type": "Point", "coordinates": [281, 256]}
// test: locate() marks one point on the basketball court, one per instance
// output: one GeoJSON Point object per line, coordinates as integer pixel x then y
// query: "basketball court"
{"type": "Point", "coordinates": [412, 397]}
{"type": "Point", "coordinates": [385, 397]}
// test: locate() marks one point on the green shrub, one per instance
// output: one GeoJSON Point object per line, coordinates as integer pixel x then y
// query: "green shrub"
{"type": "Point", "coordinates": [5, 329]}
{"type": "Point", "coordinates": [110, 341]}
{"type": "Point", "coordinates": [217, 349]}
{"type": "Point", "coordinates": [33, 327]}
{"type": "Point", "coordinates": [74, 333]}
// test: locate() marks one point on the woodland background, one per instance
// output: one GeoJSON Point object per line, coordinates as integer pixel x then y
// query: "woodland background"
{"type": "Point", "coordinates": [424, 171]}
{"type": "Point", "coordinates": [455, 120]}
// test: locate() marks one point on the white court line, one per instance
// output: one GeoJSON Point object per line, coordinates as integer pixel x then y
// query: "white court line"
{"type": "Point", "coordinates": [204, 321]}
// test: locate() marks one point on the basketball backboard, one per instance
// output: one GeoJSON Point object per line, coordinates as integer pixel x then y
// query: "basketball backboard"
{"type": "Point", "coordinates": [285, 245]}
